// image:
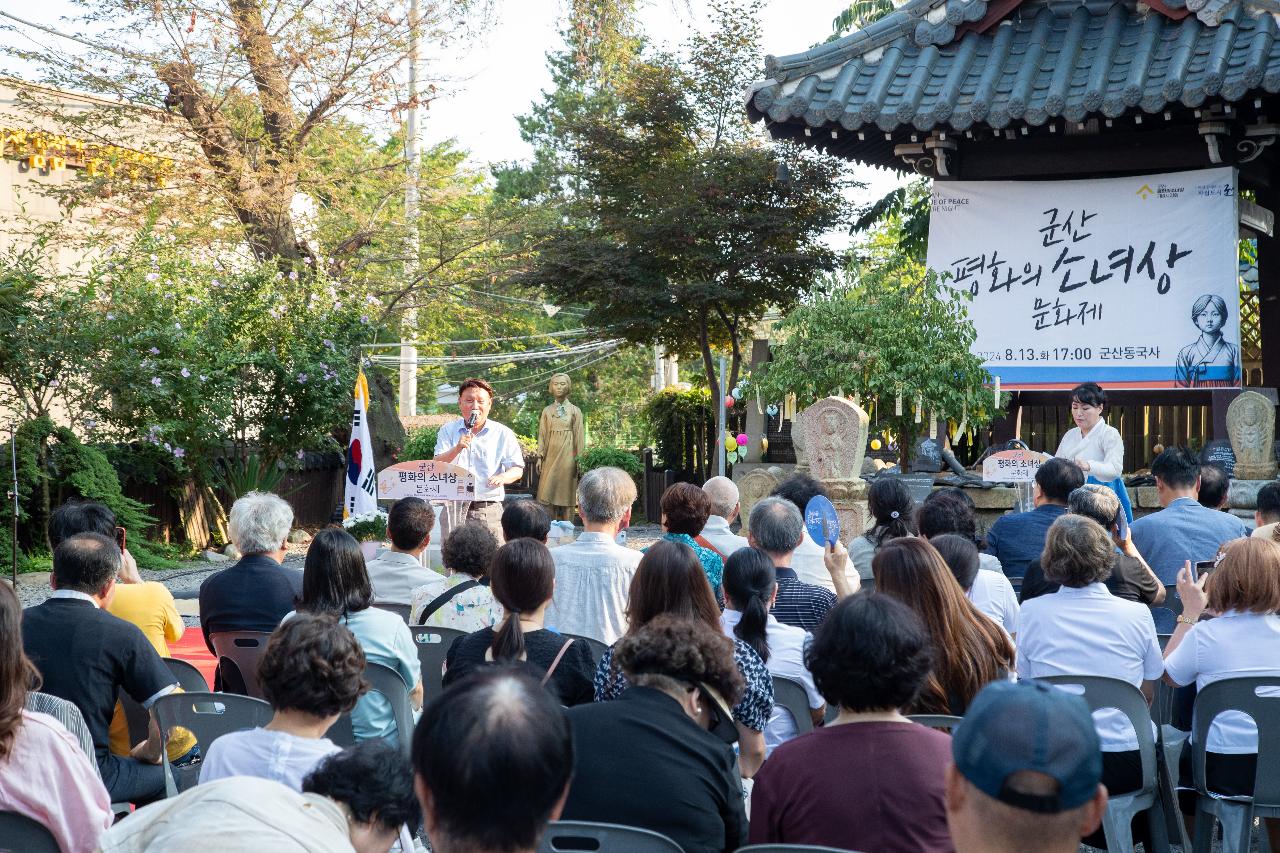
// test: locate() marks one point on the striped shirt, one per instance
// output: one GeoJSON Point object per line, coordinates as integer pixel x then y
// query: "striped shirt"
{"type": "Point", "coordinates": [801, 604]}
{"type": "Point", "coordinates": [69, 716]}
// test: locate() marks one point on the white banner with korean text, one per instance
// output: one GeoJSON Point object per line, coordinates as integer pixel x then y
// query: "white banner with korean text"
{"type": "Point", "coordinates": [1128, 282]}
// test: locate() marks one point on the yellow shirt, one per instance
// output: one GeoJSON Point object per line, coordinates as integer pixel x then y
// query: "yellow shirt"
{"type": "Point", "coordinates": [150, 606]}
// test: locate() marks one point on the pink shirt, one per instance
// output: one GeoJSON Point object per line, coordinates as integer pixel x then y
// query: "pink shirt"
{"type": "Point", "coordinates": [49, 779]}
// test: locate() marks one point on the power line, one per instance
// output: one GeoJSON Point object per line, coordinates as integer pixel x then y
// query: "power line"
{"type": "Point", "coordinates": [504, 358]}
{"type": "Point", "coordinates": [568, 333]}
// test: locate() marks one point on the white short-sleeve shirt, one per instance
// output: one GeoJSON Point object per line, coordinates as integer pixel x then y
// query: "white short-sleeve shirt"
{"type": "Point", "coordinates": [993, 594]}
{"type": "Point", "coordinates": [1234, 645]}
{"type": "Point", "coordinates": [786, 660]}
{"type": "Point", "coordinates": [1088, 631]}
{"type": "Point", "coordinates": [493, 450]}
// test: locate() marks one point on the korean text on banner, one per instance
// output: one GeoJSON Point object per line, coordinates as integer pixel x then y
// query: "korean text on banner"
{"type": "Point", "coordinates": [1128, 282]}
{"type": "Point", "coordinates": [361, 482]}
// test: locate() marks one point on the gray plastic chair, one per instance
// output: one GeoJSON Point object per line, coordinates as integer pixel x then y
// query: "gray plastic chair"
{"type": "Point", "coordinates": [401, 610]}
{"type": "Point", "coordinates": [790, 694]}
{"type": "Point", "coordinates": [387, 681]}
{"type": "Point", "coordinates": [21, 834]}
{"type": "Point", "coordinates": [579, 835]}
{"type": "Point", "coordinates": [433, 645]}
{"type": "Point", "coordinates": [936, 721]}
{"type": "Point", "coordinates": [1236, 813]}
{"type": "Point", "coordinates": [238, 655]}
{"type": "Point", "coordinates": [189, 678]}
{"type": "Point", "coordinates": [791, 848]}
{"type": "Point", "coordinates": [1117, 822]}
{"type": "Point", "coordinates": [596, 647]}
{"type": "Point", "coordinates": [1166, 613]}
{"type": "Point", "coordinates": [209, 716]}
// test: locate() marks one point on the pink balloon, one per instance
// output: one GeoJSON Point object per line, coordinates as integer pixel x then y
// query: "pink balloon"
{"type": "Point", "coordinates": [742, 439]}
{"type": "Point", "coordinates": [728, 401]}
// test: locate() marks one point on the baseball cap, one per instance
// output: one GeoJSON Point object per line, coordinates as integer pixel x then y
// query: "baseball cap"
{"type": "Point", "coordinates": [1012, 727]}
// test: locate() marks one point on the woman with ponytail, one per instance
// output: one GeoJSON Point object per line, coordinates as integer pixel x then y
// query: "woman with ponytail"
{"type": "Point", "coordinates": [891, 505]}
{"type": "Point", "coordinates": [523, 578]}
{"type": "Point", "coordinates": [750, 587]}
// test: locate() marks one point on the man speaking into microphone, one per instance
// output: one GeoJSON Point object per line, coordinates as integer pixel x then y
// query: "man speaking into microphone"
{"type": "Point", "coordinates": [489, 450]}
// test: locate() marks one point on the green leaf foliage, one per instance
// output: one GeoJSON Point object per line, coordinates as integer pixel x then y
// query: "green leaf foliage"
{"type": "Point", "coordinates": [683, 427]}
{"type": "Point", "coordinates": [421, 444]}
{"type": "Point", "coordinates": [601, 457]}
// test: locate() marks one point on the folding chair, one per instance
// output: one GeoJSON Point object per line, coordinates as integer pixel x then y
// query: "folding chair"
{"type": "Point", "coordinates": [936, 721]}
{"type": "Point", "coordinates": [791, 848]}
{"type": "Point", "coordinates": [189, 678]}
{"type": "Point", "coordinates": [791, 695]}
{"type": "Point", "coordinates": [596, 647]}
{"type": "Point", "coordinates": [401, 610]}
{"type": "Point", "coordinates": [21, 834]}
{"type": "Point", "coordinates": [578, 835]}
{"type": "Point", "coordinates": [1117, 821]}
{"type": "Point", "coordinates": [433, 645]}
{"type": "Point", "coordinates": [1236, 813]}
{"type": "Point", "coordinates": [238, 655]}
{"type": "Point", "coordinates": [209, 716]}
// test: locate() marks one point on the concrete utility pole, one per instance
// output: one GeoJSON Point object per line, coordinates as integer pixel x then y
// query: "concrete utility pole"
{"type": "Point", "coordinates": [412, 147]}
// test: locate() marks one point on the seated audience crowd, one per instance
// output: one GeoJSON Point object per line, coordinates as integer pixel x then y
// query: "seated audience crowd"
{"type": "Point", "coordinates": [597, 683]}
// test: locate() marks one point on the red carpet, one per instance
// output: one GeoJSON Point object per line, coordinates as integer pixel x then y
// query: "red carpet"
{"type": "Point", "coordinates": [191, 648]}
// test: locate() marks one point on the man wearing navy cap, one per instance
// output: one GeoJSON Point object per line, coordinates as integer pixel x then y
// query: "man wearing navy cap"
{"type": "Point", "coordinates": [1026, 776]}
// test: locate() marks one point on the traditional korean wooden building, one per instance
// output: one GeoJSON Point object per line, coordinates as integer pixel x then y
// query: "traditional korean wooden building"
{"type": "Point", "coordinates": [1049, 89]}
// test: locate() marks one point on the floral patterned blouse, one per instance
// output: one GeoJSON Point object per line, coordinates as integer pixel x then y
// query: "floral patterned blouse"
{"type": "Point", "coordinates": [757, 700]}
{"type": "Point", "coordinates": [470, 610]}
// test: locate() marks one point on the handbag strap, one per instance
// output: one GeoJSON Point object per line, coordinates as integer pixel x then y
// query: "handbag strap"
{"type": "Point", "coordinates": [555, 663]}
{"type": "Point", "coordinates": [706, 543]}
{"type": "Point", "coordinates": [444, 598]}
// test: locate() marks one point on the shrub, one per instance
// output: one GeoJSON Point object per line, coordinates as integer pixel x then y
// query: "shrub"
{"type": "Point", "coordinates": [421, 444]}
{"type": "Point", "coordinates": [600, 457]}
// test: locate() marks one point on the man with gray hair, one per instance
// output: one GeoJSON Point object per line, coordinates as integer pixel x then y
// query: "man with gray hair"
{"type": "Point", "coordinates": [777, 528]}
{"type": "Point", "coordinates": [1131, 578]}
{"type": "Point", "coordinates": [255, 593]}
{"type": "Point", "coordinates": [724, 509]}
{"type": "Point", "coordinates": [593, 573]}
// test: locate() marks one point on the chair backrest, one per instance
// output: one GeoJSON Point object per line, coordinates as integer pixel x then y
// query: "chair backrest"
{"type": "Point", "coordinates": [1166, 613]}
{"type": "Point", "coordinates": [189, 678]}
{"type": "Point", "coordinates": [342, 732]}
{"type": "Point", "coordinates": [790, 694]}
{"type": "Point", "coordinates": [791, 848]}
{"type": "Point", "coordinates": [385, 680]}
{"type": "Point", "coordinates": [1241, 694]}
{"type": "Point", "coordinates": [1016, 583]}
{"type": "Point", "coordinates": [208, 716]}
{"type": "Point", "coordinates": [401, 610]}
{"type": "Point", "coordinates": [1101, 693]}
{"type": "Point", "coordinates": [936, 721]}
{"type": "Point", "coordinates": [243, 650]}
{"type": "Point", "coordinates": [21, 834]}
{"type": "Point", "coordinates": [137, 718]}
{"type": "Point", "coordinates": [433, 644]}
{"type": "Point", "coordinates": [596, 647]}
{"type": "Point", "coordinates": [580, 835]}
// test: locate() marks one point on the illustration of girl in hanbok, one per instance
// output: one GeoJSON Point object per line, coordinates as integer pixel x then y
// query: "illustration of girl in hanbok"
{"type": "Point", "coordinates": [1210, 361]}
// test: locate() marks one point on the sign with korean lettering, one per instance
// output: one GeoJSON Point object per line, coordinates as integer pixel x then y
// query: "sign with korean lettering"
{"type": "Point", "coordinates": [1128, 282]}
{"type": "Point", "coordinates": [431, 481]}
{"type": "Point", "coordinates": [1012, 466]}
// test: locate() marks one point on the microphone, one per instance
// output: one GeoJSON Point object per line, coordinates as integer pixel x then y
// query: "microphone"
{"type": "Point", "coordinates": [471, 421]}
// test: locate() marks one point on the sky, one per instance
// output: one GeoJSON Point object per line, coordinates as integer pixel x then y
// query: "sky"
{"type": "Point", "coordinates": [498, 74]}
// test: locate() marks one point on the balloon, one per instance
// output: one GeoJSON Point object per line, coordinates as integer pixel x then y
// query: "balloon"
{"type": "Point", "coordinates": [875, 444]}
{"type": "Point", "coordinates": [742, 439]}
{"type": "Point", "coordinates": [731, 444]}
{"type": "Point", "coordinates": [728, 401]}
{"type": "Point", "coordinates": [772, 410]}
{"type": "Point", "coordinates": [764, 444]}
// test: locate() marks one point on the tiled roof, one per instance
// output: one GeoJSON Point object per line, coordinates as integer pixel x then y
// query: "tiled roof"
{"type": "Point", "coordinates": [919, 67]}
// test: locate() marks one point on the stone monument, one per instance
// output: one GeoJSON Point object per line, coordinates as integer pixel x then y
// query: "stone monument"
{"type": "Point", "coordinates": [561, 439]}
{"type": "Point", "coordinates": [835, 440]}
{"type": "Point", "coordinates": [1251, 423]}
{"type": "Point", "coordinates": [753, 487]}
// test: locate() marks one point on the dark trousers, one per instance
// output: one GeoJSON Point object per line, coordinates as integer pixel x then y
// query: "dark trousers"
{"type": "Point", "coordinates": [131, 781]}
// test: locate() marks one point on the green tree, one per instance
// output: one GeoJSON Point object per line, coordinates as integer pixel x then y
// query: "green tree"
{"type": "Point", "coordinates": [888, 336]}
{"type": "Point", "coordinates": [678, 222]}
